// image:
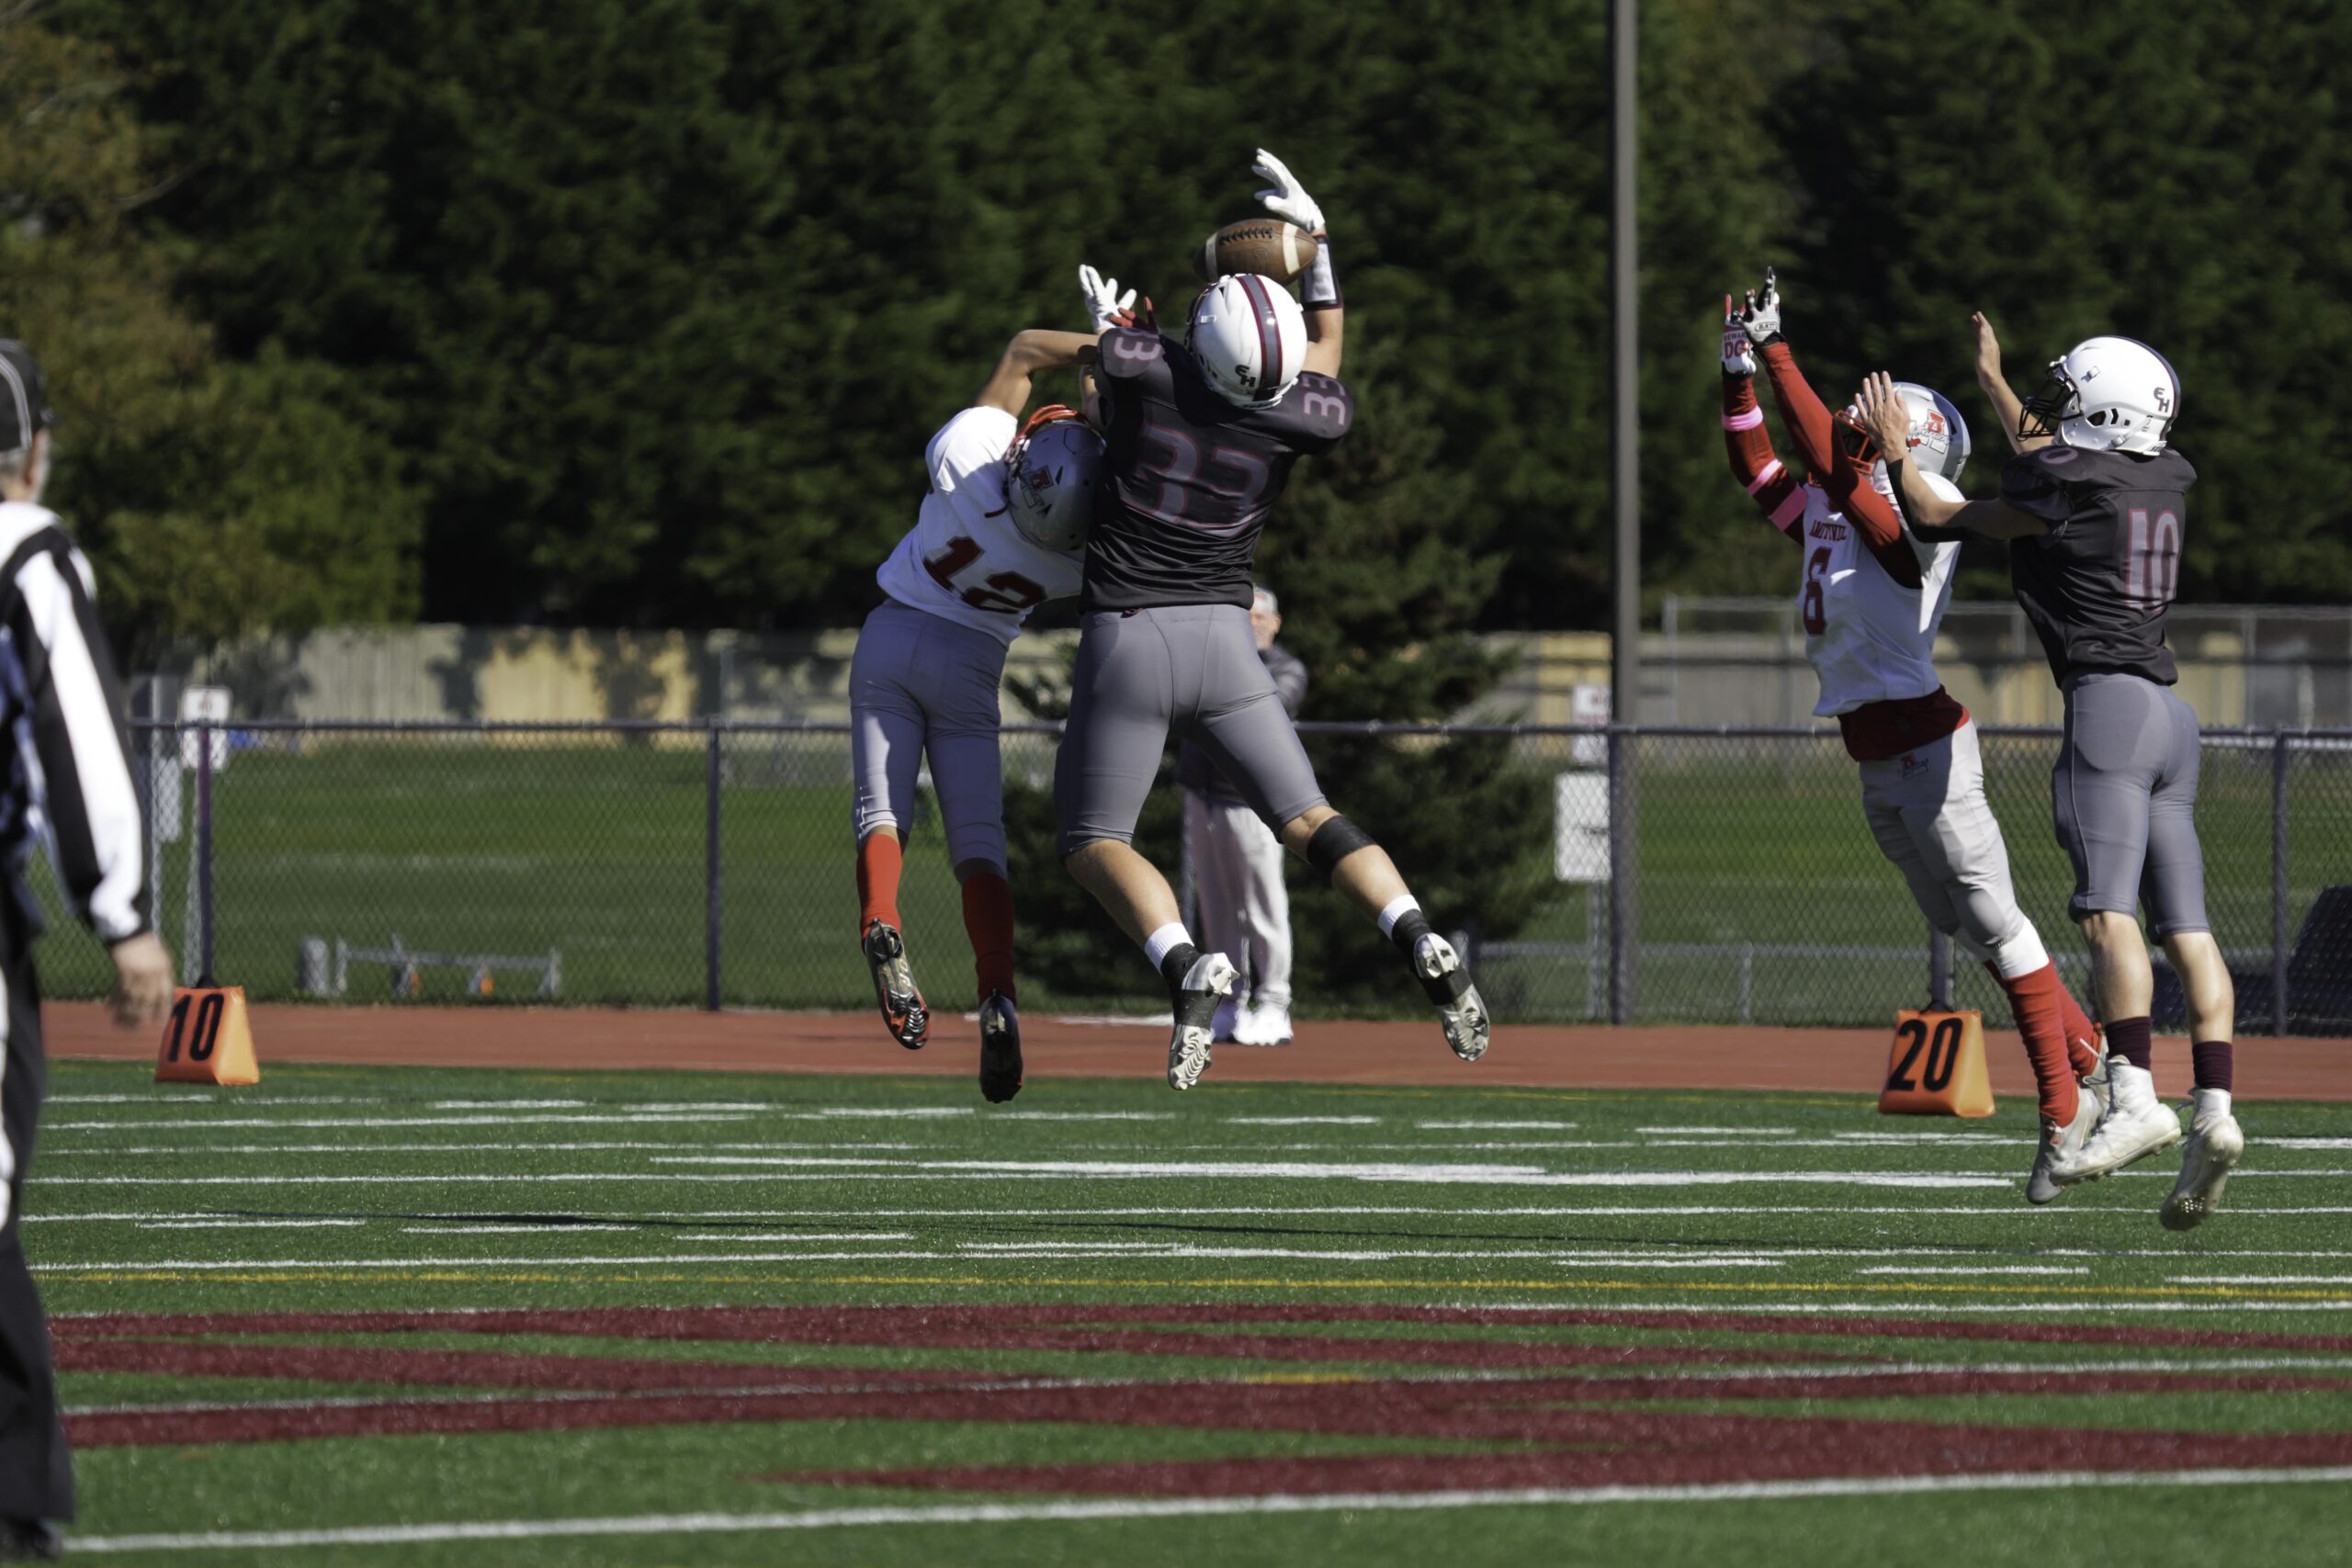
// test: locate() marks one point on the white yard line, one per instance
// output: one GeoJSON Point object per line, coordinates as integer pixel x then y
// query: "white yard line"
{"type": "Point", "coordinates": [149, 1122]}
{"type": "Point", "coordinates": [738, 1239]}
{"type": "Point", "coordinates": [461, 1146]}
{"type": "Point", "coordinates": [1725, 1131]}
{"type": "Point", "coordinates": [201, 1224]}
{"type": "Point", "coordinates": [1496, 1126]}
{"type": "Point", "coordinates": [566, 1229]}
{"type": "Point", "coordinates": [205, 1097]}
{"type": "Point", "coordinates": [1916, 1268]}
{"type": "Point", "coordinates": [1122, 1508]}
{"type": "Point", "coordinates": [1081, 1116]}
{"type": "Point", "coordinates": [1302, 1121]}
{"type": "Point", "coordinates": [1397, 1175]}
{"type": "Point", "coordinates": [1433, 1175]}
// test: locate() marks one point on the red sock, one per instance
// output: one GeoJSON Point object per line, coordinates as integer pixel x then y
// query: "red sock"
{"type": "Point", "coordinates": [2082, 1035]}
{"type": "Point", "coordinates": [877, 880]}
{"type": "Point", "coordinates": [988, 918]}
{"type": "Point", "coordinates": [2039, 1003]}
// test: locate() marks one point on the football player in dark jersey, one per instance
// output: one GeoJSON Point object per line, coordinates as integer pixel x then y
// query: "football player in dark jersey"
{"type": "Point", "coordinates": [1199, 438]}
{"type": "Point", "coordinates": [2094, 503]}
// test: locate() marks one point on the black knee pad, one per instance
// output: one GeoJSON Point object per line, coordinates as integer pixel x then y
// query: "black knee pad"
{"type": "Point", "coordinates": [1335, 842]}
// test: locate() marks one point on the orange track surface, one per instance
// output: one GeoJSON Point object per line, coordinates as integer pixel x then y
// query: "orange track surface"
{"type": "Point", "coordinates": [1849, 1061]}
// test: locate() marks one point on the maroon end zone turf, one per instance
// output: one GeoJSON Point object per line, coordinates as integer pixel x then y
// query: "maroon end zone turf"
{"type": "Point", "coordinates": [1849, 1061]}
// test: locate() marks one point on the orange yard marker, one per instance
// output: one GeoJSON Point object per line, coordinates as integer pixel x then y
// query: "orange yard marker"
{"type": "Point", "coordinates": [207, 1038]}
{"type": "Point", "coordinates": [1937, 1066]}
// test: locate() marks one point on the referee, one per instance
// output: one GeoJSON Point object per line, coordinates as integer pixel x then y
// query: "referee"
{"type": "Point", "coordinates": [65, 778]}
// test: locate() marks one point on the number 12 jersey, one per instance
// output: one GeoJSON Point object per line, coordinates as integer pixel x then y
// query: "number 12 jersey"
{"type": "Point", "coordinates": [964, 560]}
{"type": "Point", "coordinates": [1190, 475]}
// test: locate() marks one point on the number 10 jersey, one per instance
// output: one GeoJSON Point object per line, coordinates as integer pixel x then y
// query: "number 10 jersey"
{"type": "Point", "coordinates": [1190, 475]}
{"type": "Point", "coordinates": [964, 560]}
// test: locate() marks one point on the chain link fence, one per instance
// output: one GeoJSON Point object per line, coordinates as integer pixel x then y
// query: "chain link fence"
{"type": "Point", "coordinates": [1700, 876]}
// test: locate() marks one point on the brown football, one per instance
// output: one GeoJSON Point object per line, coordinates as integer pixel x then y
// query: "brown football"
{"type": "Point", "coordinates": [1266, 246]}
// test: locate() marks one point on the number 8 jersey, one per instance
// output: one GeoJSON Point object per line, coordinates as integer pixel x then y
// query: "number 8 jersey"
{"type": "Point", "coordinates": [1192, 476]}
{"type": "Point", "coordinates": [964, 560]}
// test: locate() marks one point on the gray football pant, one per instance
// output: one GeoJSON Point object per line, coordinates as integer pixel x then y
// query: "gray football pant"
{"type": "Point", "coordinates": [1927, 811]}
{"type": "Point", "coordinates": [2124, 796]}
{"type": "Point", "coordinates": [1238, 883]}
{"type": "Point", "coordinates": [1192, 668]}
{"type": "Point", "coordinates": [919, 682]}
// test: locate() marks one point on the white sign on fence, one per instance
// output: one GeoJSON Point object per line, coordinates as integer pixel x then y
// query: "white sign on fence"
{"type": "Point", "coordinates": [163, 789]}
{"type": "Point", "coordinates": [1580, 827]}
{"type": "Point", "coordinates": [1589, 703]}
{"type": "Point", "coordinates": [205, 704]}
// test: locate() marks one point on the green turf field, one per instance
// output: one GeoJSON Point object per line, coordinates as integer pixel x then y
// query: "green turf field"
{"type": "Point", "coordinates": [375, 1318]}
{"type": "Point", "coordinates": [598, 850]}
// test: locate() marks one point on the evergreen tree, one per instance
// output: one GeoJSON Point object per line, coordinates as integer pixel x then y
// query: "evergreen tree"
{"type": "Point", "coordinates": [2144, 169]}
{"type": "Point", "coordinates": [215, 499]}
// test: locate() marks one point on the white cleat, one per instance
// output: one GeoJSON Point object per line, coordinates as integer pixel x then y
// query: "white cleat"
{"type": "Point", "coordinates": [2215, 1145]}
{"type": "Point", "coordinates": [2136, 1125]}
{"type": "Point", "coordinates": [1460, 1010]}
{"type": "Point", "coordinates": [2061, 1143]}
{"type": "Point", "coordinates": [1226, 1025]}
{"type": "Point", "coordinates": [1263, 1023]}
{"type": "Point", "coordinates": [1211, 976]}
{"type": "Point", "coordinates": [2099, 1086]}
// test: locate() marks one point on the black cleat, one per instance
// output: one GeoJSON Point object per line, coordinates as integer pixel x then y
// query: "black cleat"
{"type": "Point", "coordinates": [31, 1541]}
{"type": "Point", "coordinates": [1000, 1049]}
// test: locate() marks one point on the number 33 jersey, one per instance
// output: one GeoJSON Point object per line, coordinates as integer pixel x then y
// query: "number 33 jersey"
{"type": "Point", "coordinates": [964, 560]}
{"type": "Point", "coordinates": [1191, 475]}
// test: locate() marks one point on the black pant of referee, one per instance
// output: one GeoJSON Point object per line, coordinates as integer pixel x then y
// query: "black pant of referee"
{"type": "Point", "coordinates": [36, 1477]}
{"type": "Point", "coordinates": [58, 695]}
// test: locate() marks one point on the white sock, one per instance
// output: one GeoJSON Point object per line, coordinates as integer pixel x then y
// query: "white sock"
{"type": "Point", "coordinates": [1398, 907]}
{"type": "Point", "coordinates": [1165, 940]}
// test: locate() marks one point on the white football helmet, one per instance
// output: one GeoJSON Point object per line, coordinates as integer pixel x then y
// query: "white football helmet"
{"type": "Point", "coordinates": [1939, 443]}
{"type": "Point", "coordinates": [2108, 394]}
{"type": "Point", "coordinates": [1049, 479]}
{"type": "Point", "coordinates": [1249, 336]}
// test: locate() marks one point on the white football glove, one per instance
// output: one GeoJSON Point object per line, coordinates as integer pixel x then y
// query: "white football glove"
{"type": "Point", "coordinates": [1739, 353]}
{"type": "Point", "coordinates": [1287, 200]}
{"type": "Point", "coordinates": [1762, 317]}
{"type": "Point", "coordinates": [1105, 303]}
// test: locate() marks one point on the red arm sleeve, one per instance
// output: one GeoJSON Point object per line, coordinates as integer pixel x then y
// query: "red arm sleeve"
{"type": "Point", "coordinates": [1803, 412]}
{"type": "Point", "coordinates": [1852, 493]}
{"type": "Point", "coordinates": [1776, 489]}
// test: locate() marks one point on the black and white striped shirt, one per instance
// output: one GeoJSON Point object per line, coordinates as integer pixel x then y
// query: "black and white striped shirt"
{"type": "Point", "coordinates": [67, 777]}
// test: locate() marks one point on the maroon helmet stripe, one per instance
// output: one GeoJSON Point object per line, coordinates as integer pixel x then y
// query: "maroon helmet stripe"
{"type": "Point", "coordinates": [1270, 332]}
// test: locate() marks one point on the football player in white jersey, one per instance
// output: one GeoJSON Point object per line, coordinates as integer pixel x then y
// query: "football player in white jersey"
{"type": "Point", "coordinates": [999, 533]}
{"type": "Point", "coordinates": [1871, 599]}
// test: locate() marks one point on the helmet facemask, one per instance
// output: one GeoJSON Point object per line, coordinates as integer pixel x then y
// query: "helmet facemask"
{"type": "Point", "coordinates": [2043, 415]}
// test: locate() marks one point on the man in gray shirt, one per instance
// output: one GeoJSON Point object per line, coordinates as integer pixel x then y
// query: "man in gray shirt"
{"type": "Point", "coordinates": [1243, 905]}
